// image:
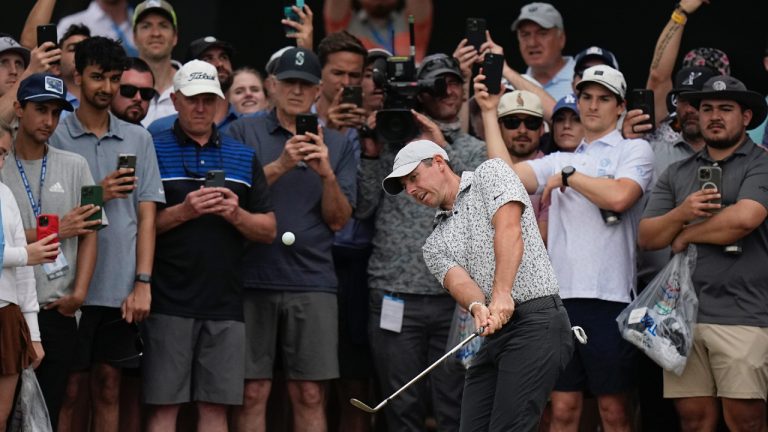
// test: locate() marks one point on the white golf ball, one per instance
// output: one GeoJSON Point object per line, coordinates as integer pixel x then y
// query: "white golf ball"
{"type": "Point", "coordinates": [288, 238]}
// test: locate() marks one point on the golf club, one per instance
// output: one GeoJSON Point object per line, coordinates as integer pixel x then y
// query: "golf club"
{"type": "Point", "coordinates": [358, 404]}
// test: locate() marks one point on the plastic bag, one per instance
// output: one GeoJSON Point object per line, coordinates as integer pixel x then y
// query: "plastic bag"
{"type": "Point", "coordinates": [462, 326]}
{"type": "Point", "coordinates": [661, 319]}
{"type": "Point", "coordinates": [30, 413]}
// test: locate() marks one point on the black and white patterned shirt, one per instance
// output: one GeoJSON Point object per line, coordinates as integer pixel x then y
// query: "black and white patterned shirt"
{"type": "Point", "coordinates": [463, 236]}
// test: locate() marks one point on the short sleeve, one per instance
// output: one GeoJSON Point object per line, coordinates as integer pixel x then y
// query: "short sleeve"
{"type": "Point", "coordinates": [498, 185]}
{"type": "Point", "coordinates": [637, 163]}
{"type": "Point", "coordinates": [438, 262]}
{"type": "Point", "coordinates": [150, 185]}
{"type": "Point", "coordinates": [258, 200]}
{"type": "Point", "coordinates": [662, 198]}
{"type": "Point", "coordinates": [755, 183]}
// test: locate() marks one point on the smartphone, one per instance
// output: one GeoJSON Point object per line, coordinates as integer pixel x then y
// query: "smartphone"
{"type": "Point", "coordinates": [306, 123]}
{"type": "Point", "coordinates": [711, 177]}
{"type": "Point", "coordinates": [47, 224]}
{"type": "Point", "coordinates": [125, 160]}
{"type": "Point", "coordinates": [643, 99]}
{"type": "Point", "coordinates": [353, 95]}
{"type": "Point", "coordinates": [93, 194]}
{"type": "Point", "coordinates": [475, 32]}
{"type": "Point", "coordinates": [493, 66]}
{"type": "Point", "coordinates": [215, 178]}
{"type": "Point", "coordinates": [47, 33]}
{"type": "Point", "coordinates": [289, 14]}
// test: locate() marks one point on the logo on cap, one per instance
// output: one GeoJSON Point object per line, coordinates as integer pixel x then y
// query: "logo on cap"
{"type": "Point", "coordinates": [570, 99]}
{"type": "Point", "coordinates": [594, 50]}
{"type": "Point", "coordinates": [201, 76]}
{"type": "Point", "coordinates": [55, 85]}
{"type": "Point", "coordinates": [299, 58]}
{"type": "Point", "coordinates": [691, 78]}
{"type": "Point", "coordinates": [719, 85]}
{"type": "Point", "coordinates": [520, 101]}
{"type": "Point", "coordinates": [599, 72]}
{"type": "Point", "coordinates": [153, 3]}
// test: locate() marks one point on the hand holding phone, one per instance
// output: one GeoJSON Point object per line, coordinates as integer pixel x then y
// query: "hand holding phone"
{"type": "Point", "coordinates": [290, 15]}
{"type": "Point", "coordinates": [93, 194]}
{"type": "Point", "coordinates": [642, 99]}
{"type": "Point", "coordinates": [47, 224]}
{"type": "Point", "coordinates": [711, 177]}
{"type": "Point", "coordinates": [306, 123]}
{"type": "Point", "coordinates": [352, 95]}
{"type": "Point", "coordinates": [125, 160]}
{"type": "Point", "coordinates": [215, 178]}
{"type": "Point", "coordinates": [493, 66]}
{"type": "Point", "coordinates": [47, 33]}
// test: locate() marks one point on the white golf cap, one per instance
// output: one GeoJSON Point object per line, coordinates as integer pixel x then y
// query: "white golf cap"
{"type": "Point", "coordinates": [606, 76]}
{"type": "Point", "coordinates": [520, 102]}
{"type": "Point", "coordinates": [543, 14]}
{"type": "Point", "coordinates": [197, 77]}
{"type": "Point", "coordinates": [407, 159]}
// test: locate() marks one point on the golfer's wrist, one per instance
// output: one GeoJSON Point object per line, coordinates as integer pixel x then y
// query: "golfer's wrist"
{"type": "Point", "coordinates": [472, 305]}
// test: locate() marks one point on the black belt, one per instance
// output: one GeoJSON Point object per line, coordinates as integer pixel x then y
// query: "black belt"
{"type": "Point", "coordinates": [537, 304]}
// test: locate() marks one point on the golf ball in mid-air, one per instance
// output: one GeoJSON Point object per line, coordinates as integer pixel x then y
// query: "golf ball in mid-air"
{"type": "Point", "coordinates": [288, 238]}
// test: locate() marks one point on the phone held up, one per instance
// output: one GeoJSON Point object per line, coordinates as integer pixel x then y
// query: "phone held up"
{"type": "Point", "coordinates": [352, 95]}
{"type": "Point", "coordinates": [47, 33]}
{"type": "Point", "coordinates": [47, 224]}
{"type": "Point", "coordinates": [126, 161]}
{"type": "Point", "coordinates": [93, 194]}
{"type": "Point", "coordinates": [306, 123]}
{"type": "Point", "coordinates": [493, 66]}
{"type": "Point", "coordinates": [475, 32]}
{"type": "Point", "coordinates": [215, 178]}
{"type": "Point", "coordinates": [711, 177]}
{"type": "Point", "coordinates": [290, 15]}
{"type": "Point", "coordinates": [643, 99]}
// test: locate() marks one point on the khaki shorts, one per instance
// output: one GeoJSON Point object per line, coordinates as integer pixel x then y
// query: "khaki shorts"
{"type": "Point", "coordinates": [725, 361]}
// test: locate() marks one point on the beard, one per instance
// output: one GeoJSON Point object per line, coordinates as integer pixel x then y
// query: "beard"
{"type": "Point", "coordinates": [724, 142]}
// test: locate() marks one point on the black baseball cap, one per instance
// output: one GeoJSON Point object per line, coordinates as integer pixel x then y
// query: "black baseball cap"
{"type": "Point", "coordinates": [435, 65]}
{"type": "Point", "coordinates": [199, 46]}
{"type": "Point", "coordinates": [298, 63]}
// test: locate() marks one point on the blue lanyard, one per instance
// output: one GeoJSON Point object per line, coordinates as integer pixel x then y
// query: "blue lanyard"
{"type": "Point", "coordinates": [383, 40]}
{"type": "Point", "coordinates": [37, 206]}
{"type": "Point", "coordinates": [130, 50]}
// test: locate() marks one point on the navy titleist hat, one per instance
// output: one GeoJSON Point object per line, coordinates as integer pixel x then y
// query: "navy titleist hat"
{"type": "Point", "coordinates": [43, 87]}
{"type": "Point", "coordinates": [298, 63]}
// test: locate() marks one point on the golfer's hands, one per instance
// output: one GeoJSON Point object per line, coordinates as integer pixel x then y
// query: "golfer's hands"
{"type": "Point", "coordinates": [501, 308]}
{"type": "Point", "coordinates": [482, 318]}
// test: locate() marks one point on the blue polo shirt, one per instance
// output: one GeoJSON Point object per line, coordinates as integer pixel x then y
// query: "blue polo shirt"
{"type": "Point", "coordinates": [197, 270]}
{"type": "Point", "coordinates": [560, 85]}
{"type": "Point", "coordinates": [307, 265]}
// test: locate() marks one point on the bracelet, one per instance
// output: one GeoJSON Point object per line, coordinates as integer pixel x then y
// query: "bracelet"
{"type": "Point", "coordinates": [678, 17]}
{"type": "Point", "coordinates": [469, 308]}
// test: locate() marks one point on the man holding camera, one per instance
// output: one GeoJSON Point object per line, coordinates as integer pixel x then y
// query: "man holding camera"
{"type": "Point", "coordinates": [728, 227]}
{"type": "Point", "coordinates": [312, 178]}
{"type": "Point", "coordinates": [399, 280]}
{"type": "Point", "coordinates": [595, 207]}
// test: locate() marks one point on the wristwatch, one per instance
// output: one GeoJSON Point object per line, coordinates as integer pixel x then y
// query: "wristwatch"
{"type": "Point", "coordinates": [143, 277]}
{"type": "Point", "coordinates": [567, 172]}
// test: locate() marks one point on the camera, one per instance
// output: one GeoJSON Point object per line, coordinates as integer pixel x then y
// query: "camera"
{"type": "Point", "coordinates": [396, 76]}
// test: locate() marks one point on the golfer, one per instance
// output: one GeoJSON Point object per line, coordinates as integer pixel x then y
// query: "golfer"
{"type": "Point", "coordinates": [487, 252]}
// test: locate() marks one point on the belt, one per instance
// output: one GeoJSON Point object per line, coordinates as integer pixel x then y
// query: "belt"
{"type": "Point", "coordinates": [537, 304]}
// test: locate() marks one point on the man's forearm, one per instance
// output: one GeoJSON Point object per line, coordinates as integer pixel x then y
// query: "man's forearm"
{"type": "Point", "coordinates": [145, 237]}
{"type": "Point", "coordinates": [520, 83]}
{"type": "Point", "coordinates": [171, 217]}
{"type": "Point", "coordinates": [335, 207]}
{"type": "Point", "coordinates": [610, 194]}
{"type": "Point", "coordinates": [256, 227]}
{"type": "Point", "coordinates": [273, 171]}
{"type": "Point", "coordinates": [87, 250]}
{"type": "Point", "coordinates": [730, 225]}
{"type": "Point", "coordinates": [659, 232]}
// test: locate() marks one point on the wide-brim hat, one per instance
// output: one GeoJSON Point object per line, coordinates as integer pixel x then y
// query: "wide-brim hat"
{"type": "Point", "coordinates": [723, 87]}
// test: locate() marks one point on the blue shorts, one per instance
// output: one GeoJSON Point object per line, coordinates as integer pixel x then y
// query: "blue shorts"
{"type": "Point", "coordinates": [606, 364]}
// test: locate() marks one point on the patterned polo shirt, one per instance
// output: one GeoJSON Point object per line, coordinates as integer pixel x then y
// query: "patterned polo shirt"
{"type": "Point", "coordinates": [463, 236]}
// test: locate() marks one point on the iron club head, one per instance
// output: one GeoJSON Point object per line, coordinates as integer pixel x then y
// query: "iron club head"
{"type": "Point", "coordinates": [360, 405]}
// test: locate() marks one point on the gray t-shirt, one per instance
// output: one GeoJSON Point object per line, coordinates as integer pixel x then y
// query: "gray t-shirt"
{"type": "Point", "coordinates": [115, 271]}
{"type": "Point", "coordinates": [732, 289]}
{"type": "Point", "coordinates": [464, 235]}
{"type": "Point", "coordinates": [65, 173]}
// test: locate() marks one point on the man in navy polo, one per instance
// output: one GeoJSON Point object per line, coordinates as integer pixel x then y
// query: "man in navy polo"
{"type": "Point", "coordinates": [194, 338]}
{"type": "Point", "coordinates": [290, 301]}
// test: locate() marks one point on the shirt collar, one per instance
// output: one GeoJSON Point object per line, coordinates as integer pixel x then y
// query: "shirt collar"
{"type": "Point", "coordinates": [183, 139]}
{"type": "Point", "coordinates": [741, 150]}
{"type": "Point", "coordinates": [612, 139]}
{"type": "Point", "coordinates": [75, 128]}
{"type": "Point", "coordinates": [564, 74]}
{"type": "Point", "coordinates": [464, 185]}
{"type": "Point", "coordinates": [273, 124]}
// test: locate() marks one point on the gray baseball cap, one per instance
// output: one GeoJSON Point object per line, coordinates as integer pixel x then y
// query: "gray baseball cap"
{"type": "Point", "coordinates": [407, 159]}
{"type": "Point", "coordinates": [9, 44]}
{"type": "Point", "coordinates": [543, 14]}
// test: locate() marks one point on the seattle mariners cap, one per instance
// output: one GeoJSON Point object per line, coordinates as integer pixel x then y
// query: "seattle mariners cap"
{"type": "Point", "coordinates": [407, 159]}
{"type": "Point", "coordinates": [298, 63]}
{"type": "Point", "coordinates": [196, 77]}
{"type": "Point", "coordinates": [43, 87]}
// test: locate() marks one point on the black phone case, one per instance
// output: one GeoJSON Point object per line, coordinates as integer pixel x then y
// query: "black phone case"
{"type": "Point", "coordinates": [475, 32]}
{"type": "Point", "coordinates": [353, 95]}
{"type": "Point", "coordinates": [306, 123]}
{"type": "Point", "coordinates": [126, 161]}
{"type": "Point", "coordinates": [643, 99]}
{"type": "Point", "coordinates": [47, 33]}
{"type": "Point", "coordinates": [493, 65]}
{"type": "Point", "coordinates": [215, 178]}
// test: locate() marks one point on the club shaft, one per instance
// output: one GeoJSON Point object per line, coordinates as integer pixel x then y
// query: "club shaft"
{"type": "Point", "coordinates": [429, 369]}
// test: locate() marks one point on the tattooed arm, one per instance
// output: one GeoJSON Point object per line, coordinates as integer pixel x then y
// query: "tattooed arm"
{"type": "Point", "coordinates": [664, 57]}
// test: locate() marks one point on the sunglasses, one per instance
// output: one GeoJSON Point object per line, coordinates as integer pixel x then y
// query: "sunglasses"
{"type": "Point", "coordinates": [129, 91]}
{"type": "Point", "coordinates": [512, 123]}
